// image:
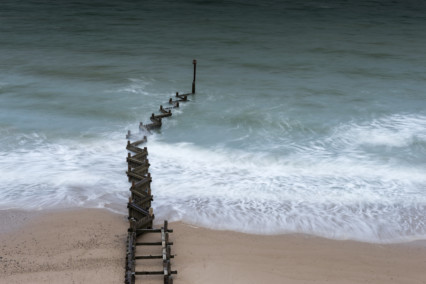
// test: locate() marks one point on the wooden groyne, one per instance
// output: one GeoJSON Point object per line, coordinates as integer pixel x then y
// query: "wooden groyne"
{"type": "Point", "coordinates": [141, 215]}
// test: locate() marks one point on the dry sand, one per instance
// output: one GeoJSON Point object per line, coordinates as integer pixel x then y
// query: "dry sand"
{"type": "Point", "coordinates": [88, 246]}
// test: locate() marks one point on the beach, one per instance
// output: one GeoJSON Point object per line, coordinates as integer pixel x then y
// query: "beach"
{"type": "Point", "coordinates": [300, 158]}
{"type": "Point", "coordinates": [88, 246]}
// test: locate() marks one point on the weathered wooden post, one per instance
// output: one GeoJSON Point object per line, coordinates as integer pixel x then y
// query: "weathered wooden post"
{"type": "Point", "coordinates": [195, 71]}
{"type": "Point", "coordinates": [129, 170]}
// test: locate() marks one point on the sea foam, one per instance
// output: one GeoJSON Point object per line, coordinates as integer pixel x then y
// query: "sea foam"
{"type": "Point", "coordinates": [249, 192]}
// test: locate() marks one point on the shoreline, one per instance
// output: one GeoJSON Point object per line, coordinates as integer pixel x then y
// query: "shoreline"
{"type": "Point", "coordinates": [88, 245]}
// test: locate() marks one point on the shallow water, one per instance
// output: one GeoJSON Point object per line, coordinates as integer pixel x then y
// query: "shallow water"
{"type": "Point", "coordinates": [309, 117]}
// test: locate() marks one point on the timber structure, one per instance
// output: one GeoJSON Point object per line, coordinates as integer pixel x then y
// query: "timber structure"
{"type": "Point", "coordinates": [141, 215]}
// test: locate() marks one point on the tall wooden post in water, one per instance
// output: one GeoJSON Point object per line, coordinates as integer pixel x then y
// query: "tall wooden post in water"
{"type": "Point", "coordinates": [195, 71]}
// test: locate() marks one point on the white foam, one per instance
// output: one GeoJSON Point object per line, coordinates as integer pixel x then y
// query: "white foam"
{"type": "Point", "coordinates": [137, 86]}
{"type": "Point", "coordinates": [43, 174]}
{"type": "Point", "coordinates": [255, 193]}
{"type": "Point", "coordinates": [392, 131]}
{"type": "Point", "coordinates": [332, 186]}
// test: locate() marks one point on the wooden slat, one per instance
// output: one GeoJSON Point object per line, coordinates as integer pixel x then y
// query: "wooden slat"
{"type": "Point", "coordinates": [138, 208]}
{"type": "Point", "coordinates": [140, 169]}
{"type": "Point", "coordinates": [166, 110]}
{"type": "Point", "coordinates": [166, 267]}
{"type": "Point", "coordinates": [136, 176]}
{"type": "Point", "coordinates": [140, 156]}
{"type": "Point", "coordinates": [182, 98]}
{"type": "Point", "coordinates": [154, 272]}
{"type": "Point", "coordinates": [138, 194]}
{"type": "Point", "coordinates": [143, 182]}
{"type": "Point", "coordinates": [174, 103]}
{"type": "Point", "coordinates": [138, 142]}
{"type": "Point", "coordinates": [153, 230]}
{"type": "Point", "coordinates": [130, 258]}
{"type": "Point", "coordinates": [139, 162]}
{"type": "Point", "coordinates": [144, 223]}
{"type": "Point", "coordinates": [162, 115]}
{"type": "Point", "coordinates": [153, 244]}
{"type": "Point", "coordinates": [150, 126]}
{"type": "Point", "coordinates": [142, 202]}
{"type": "Point", "coordinates": [134, 149]}
{"type": "Point", "coordinates": [155, 120]}
{"type": "Point", "coordinates": [151, 256]}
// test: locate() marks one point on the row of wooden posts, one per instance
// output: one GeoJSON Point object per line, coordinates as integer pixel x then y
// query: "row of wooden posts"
{"type": "Point", "coordinates": [141, 215]}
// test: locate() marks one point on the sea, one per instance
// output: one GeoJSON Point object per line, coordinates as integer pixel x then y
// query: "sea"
{"type": "Point", "coordinates": [309, 116]}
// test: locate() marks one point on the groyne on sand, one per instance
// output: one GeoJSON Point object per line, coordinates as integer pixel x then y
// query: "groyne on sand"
{"type": "Point", "coordinates": [141, 215]}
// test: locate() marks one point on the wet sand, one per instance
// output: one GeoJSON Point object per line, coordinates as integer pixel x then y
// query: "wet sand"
{"type": "Point", "coordinates": [88, 246]}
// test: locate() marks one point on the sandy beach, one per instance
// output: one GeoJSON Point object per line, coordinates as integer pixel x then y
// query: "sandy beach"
{"type": "Point", "coordinates": [88, 246]}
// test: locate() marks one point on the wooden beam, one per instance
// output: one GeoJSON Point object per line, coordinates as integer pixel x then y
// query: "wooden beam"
{"type": "Point", "coordinates": [153, 244]}
{"type": "Point", "coordinates": [137, 208]}
{"type": "Point", "coordinates": [138, 142]}
{"type": "Point", "coordinates": [134, 175]}
{"type": "Point", "coordinates": [151, 256]}
{"type": "Point", "coordinates": [144, 223]}
{"type": "Point", "coordinates": [153, 230]}
{"type": "Point", "coordinates": [154, 272]}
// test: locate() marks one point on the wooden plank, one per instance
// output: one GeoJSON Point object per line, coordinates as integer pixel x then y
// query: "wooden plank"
{"type": "Point", "coordinates": [140, 169]}
{"type": "Point", "coordinates": [129, 278]}
{"type": "Point", "coordinates": [154, 272]}
{"type": "Point", "coordinates": [138, 162]}
{"type": "Point", "coordinates": [131, 241]}
{"type": "Point", "coordinates": [133, 148]}
{"type": "Point", "coordinates": [162, 115]}
{"type": "Point", "coordinates": [169, 252]}
{"type": "Point", "coordinates": [144, 203]}
{"type": "Point", "coordinates": [168, 279]}
{"type": "Point", "coordinates": [144, 223]}
{"type": "Point", "coordinates": [182, 98]}
{"type": "Point", "coordinates": [140, 156]}
{"type": "Point", "coordinates": [136, 215]}
{"type": "Point", "coordinates": [153, 244]}
{"type": "Point", "coordinates": [165, 110]}
{"type": "Point", "coordinates": [137, 208]}
{"type": "Point", "coordinates": [151, 256]}
{"type": "Point", "coordinates": [174, 103]}
{"type": "Point", "coordinates": [138, 194]}
{"type": "Point", "coordinates": [142, 183]}
{"type": "Point", "coordinates": [153, 230]}
{"type": "Point", "coordinates": [130, 258]}
{"type": "Point", "coordinates": [151, 126]}
{"type": "Point", "coordinates": [138, 142]}
{"type": "Point", "coordinates": [155, 120]}
{"type": "Point", "coordinates": [135, 176]}
{"type": "Point", "coordinates": [164, 255]}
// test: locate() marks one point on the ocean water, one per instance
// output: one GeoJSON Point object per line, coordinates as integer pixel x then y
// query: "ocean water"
{"type": "Point", "coordinates": [309, 117]}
